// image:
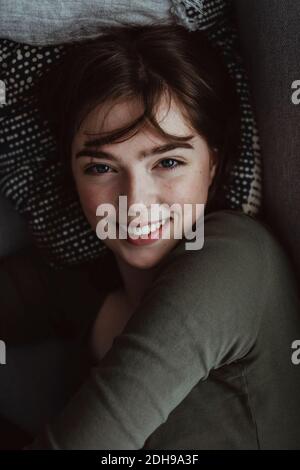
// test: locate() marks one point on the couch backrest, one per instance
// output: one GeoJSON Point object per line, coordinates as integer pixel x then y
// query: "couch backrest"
{"type": "Point", "coordinates": [270, 39]}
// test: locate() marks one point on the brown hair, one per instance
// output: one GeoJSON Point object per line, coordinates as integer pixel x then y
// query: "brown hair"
{"type": "Point", "coordinates": [144, 61]}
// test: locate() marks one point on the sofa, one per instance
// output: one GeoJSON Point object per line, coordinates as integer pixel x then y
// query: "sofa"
{"type": "Point", "coordinates": [269, 34]}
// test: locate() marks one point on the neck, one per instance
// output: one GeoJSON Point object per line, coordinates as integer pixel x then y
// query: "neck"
{"type": "Point", "coordinates": [135, 280]}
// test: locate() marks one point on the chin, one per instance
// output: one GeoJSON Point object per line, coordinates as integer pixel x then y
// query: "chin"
{"type": "Point", "coordinates": [140, 262]}
{"type": "Point", "coordinates": [141, 258]}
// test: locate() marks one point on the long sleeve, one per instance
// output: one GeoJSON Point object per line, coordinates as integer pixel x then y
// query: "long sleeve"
{"type": "Point", "coordinates": [200, 314]}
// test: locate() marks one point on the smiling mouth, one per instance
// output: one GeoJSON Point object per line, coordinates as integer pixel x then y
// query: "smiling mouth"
{"type": "Point", "coordinates": [146, 231]}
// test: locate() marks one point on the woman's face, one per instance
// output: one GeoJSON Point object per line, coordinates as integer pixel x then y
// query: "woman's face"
{"type": "Point", "coordinates": [178, 176]}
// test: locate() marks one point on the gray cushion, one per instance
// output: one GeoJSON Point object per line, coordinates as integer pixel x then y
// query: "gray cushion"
{"type": "Point", "coordinates": [269, 31]}
{"type": "Point", "coordinates": [54, 22]}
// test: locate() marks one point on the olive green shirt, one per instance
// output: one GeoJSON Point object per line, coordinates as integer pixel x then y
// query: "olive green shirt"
{"type": "Point", "coordinates": [205, 361]}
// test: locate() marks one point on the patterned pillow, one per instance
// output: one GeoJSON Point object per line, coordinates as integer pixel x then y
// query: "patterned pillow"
{"type": "Point", "coordinates": [216, 18]}
{"type": "Point", "coordinates": [31, 174]}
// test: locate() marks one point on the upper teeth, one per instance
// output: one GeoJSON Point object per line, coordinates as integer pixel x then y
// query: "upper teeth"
{"type": "Point", "coordinates": [145, 230]}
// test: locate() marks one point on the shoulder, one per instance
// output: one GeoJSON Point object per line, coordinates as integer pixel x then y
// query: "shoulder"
{"type": "Point", "coordinates": [221, 289]}
{"type": "Point", "coordinates": [231, 238]}
{"type": "Point", "coordinates": [237, 264]}
{"type": "Point", "coordinates": [237, 226]}
{"type": "Point", "coordinates": [251, 240]}
{"type": "Point", "coordinates": [232, 254]}
{"type": "Point", "coordinates": [241, 266]}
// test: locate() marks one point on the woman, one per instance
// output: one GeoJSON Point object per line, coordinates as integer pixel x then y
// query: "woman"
{"type": "Point", "coordinates": [189, 110]}
{"type": "Point", "coordinates": [191, 349]}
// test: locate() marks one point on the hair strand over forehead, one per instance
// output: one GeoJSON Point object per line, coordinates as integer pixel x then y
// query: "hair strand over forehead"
{"type": "Point", "coordinates": [146, 62]}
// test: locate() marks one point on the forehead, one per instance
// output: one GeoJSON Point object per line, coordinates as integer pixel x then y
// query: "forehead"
{"type": "Point", "coordinates": [111, 116]}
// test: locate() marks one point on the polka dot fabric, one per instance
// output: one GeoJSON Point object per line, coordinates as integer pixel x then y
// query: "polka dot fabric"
{"type": "Point", "coordinates": [216, 19]}
{"type": "Point", "coordinates": [31, 174]}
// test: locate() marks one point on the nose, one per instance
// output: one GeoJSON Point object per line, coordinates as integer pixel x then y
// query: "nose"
{"type": "Point", "coordinates": [141, 191]}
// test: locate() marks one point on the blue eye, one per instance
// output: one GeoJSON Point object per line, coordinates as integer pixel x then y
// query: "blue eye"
{"type": "Point", "coordinates": [171, 167]}
{"type": "Point", "coordinates": [96, 169]}
{"type": "Point", "coordinates": [102, 168]}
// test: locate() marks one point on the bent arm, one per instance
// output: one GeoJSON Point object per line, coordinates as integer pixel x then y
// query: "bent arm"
{"type": "Point", "coordinates": [199, 314]}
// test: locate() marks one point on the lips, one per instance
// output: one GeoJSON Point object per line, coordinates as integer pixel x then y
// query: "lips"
{"type": "Point", "coordinates": [146, 229]}
{"type": "Point", "coordinates": [146, 238]}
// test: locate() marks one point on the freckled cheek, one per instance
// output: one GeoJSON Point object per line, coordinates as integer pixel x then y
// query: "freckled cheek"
{"type": "Point", "coordinates": [191, 188]}
{"type": "Point", "coordinates": [91, 197]}
{"type": "Point", "coordinates": [198, 185]}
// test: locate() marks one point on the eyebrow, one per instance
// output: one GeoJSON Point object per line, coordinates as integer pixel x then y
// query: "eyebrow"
{"type": "Point", "coordinates": [97, 153]}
